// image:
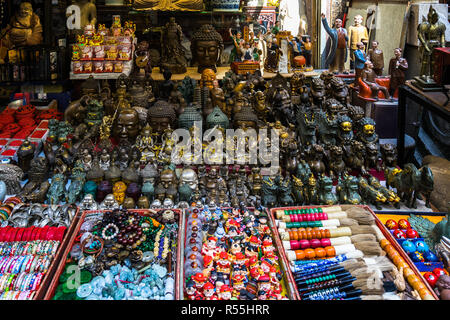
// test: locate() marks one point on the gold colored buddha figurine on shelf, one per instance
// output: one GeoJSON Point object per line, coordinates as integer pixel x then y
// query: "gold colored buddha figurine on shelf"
{"type": "Point", "coordinates": [207, 78]}
{"type": "Point", "coordinates": [24, 29]}
{"type": "Point", "coordinates": [169, 5]}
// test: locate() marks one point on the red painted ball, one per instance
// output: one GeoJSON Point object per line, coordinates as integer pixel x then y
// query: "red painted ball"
{"type": "Point", "coordinates": [403, 224]}
{"type": "Point", "coordinates": [439, 272]}
{"type": "Point", "coordinates": [412, 234]}
{"type": "Point", "coordinates": [399, 234]}
{"type": "Point", "coordinates": [391, 224]}
{"type": "Point", "coordinates": [431, 278]}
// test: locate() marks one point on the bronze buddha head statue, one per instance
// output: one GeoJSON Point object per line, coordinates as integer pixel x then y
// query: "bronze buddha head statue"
{"type": "Point", "coordinates": [206, 47]}
{"type": "Point", "coordinates": [127, 124]}
{"type": "Point", "coordinates": [161, 116]}
{"type": "Point", "coordinates": [245, 119]}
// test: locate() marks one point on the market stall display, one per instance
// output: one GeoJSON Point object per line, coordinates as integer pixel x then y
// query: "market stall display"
{"type": "Point", "coordinates": [339, 252]}
{"type": "Point", "coordinates": [230, 254]}
{"type": "Point", "coordinates": [121, 254]}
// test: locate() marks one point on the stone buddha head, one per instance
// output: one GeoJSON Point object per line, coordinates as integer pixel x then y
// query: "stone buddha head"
{"type": "Point", "coordinates": [127, 125]}
{"type": "Point", "coordinates": [206, 47]}
{"type": "Point", "coordinates": [161, 116]}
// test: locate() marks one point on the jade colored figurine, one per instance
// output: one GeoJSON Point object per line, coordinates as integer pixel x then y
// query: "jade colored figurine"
{"type": "Point", "coordinates": [326, 195]}
{"type": "Point", "coordinates": [348, 190]}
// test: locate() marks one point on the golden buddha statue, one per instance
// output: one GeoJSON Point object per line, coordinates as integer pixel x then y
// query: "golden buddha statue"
{"type": "Point", "coordinates": [169, 5]}
{"type": "Point", "coordinates": [24, 29]}
{"type": "Point", "coordinates": [207, 78]}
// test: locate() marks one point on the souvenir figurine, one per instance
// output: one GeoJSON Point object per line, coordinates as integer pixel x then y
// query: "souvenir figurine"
{"type": "Point", "coordinates": [119, 189]}
{"type": "Point", "coordinates": [345, 132]}
{"type": "Point", "coordinates": [76, 185]}
{"type": "Point", "coordinates": [298, 88]}
{"type": "Point", "coordinates": [269, 191]}
{"type": "Point", "coordinates": [109, 203]}
{"type": "Point", "coordinates": [339, 90]}
{"type": "Point", "coordinates": [368, 76]}
{"type": "Point", "coordinates": [356, 157]}
{"type": "Point", "coordinates": [24, 29]}
{"type": "Point", "coordinates": [315, 154]}
{"type": "Point", "coordinates": [25, 155]}
{"type": "Point", "coordinates": [37, 174]}
{"type": "Point", "coordinates": [357, 33]}
{"type": "Point", "coordinates": [359, 58]}
{"type": "Point", "coordinates": [311, 191]}
{"type": "Point", "coordinates": [317, 92]}
{"type": "Point", "coordinates": [161, 116]}
{"type": "Point", "coordinates": [397, 68]}
{"type": "Point", "coordinates": [370, 194]}
{"type": "Point", "coordinates": [431, 34]}
{"type": "Point", "coordinates": [371, 160]}
{"type": "Point", "coordinates": [273, 56]}
{"type": "Point", "coordinates": [336, 162]}
{"type": "Point", "coordinates": [88, 203]}
{"type": "Point", "coordinates": [206, 47]}
{"type": "Point", "coordinates": [285, 192]}
{"type": "Point", "coordinates": [347, 190]}
{"type": "Point", "coordinates": [366, 128]}
{"type": "Point", "coordinates": [56, 191]}
{"type": "Point", "coordinates": [172, 55]}
{"type": "Point", "coordinates": [336, 44]}
{"type": "Point", "coordinates": [127, 125]}
{"type": "Point", "coordinates": [376, 56]}
{"type": "Point", "coordinates": [306, 129]}
{"type": "Point", "coordinates": [326, 195]}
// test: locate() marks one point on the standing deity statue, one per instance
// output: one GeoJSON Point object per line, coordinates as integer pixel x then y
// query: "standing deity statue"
{"type": "Point", "coordinates": [172, 56]}
{"type": "Point", "coordinates": [431, 34]}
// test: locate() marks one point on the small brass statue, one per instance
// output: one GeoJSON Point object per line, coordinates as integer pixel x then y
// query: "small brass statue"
{"type": "Point", "coordinates": [431, 34]}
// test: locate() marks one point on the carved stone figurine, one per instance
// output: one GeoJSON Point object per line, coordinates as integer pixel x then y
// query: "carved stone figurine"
{"type": "Point", "coordinates": [24, 29]}
{"type": "Point", "coordinates": [206, 47]}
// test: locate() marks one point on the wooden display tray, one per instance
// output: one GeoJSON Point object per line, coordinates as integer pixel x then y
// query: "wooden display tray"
{"type": "Point", "coordinates": [76, 228]}
{"type": "Point", "coordinates": [288, 278]}
{"type": "Point", "coordinates": [49, 276]}
{"type": "Point", "coordinates": [383, 230]}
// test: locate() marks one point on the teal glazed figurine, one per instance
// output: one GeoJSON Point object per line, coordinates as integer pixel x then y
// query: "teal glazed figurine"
{"type": "Point", "coordinates": [90, 187]}
{"type": "Point", "coordinates": [348, 190]}
{"type": "Point", "coordinates": [269, 192]}
{"type": "Point", "coordinates": [285, 192]}
{"type": "Point", "coordinates": [326, 195]}
{"type": "Point", "coordinates": [56, 191]}
{"type": "Point", "coordinates": [77, 178]}
{"type": "Point", "coordinates": [2, 190]}
{"type": "Point", "coordinates": [217, 118]}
